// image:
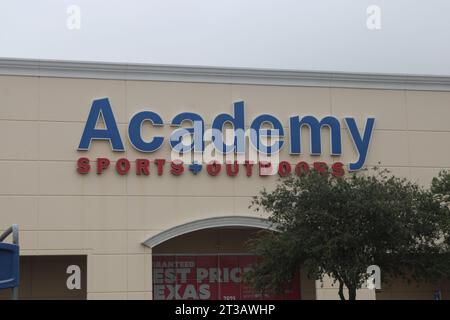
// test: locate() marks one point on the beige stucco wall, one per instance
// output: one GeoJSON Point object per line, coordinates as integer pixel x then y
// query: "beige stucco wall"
{"type": "Point", "coordinates": [108, 216]}
{"type": "Point", "coordinates": [396, 289]}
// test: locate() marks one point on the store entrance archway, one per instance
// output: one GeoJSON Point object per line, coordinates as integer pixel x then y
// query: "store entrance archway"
{"type": "Point", "coordinates": [205, 261]}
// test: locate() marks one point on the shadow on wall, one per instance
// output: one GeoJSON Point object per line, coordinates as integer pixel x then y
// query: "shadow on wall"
{"type": "Point", "coordinates": [399, 289]}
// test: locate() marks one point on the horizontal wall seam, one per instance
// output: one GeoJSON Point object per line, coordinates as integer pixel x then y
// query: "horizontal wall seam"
{"type": "Point", "coordinates": [168, 124]}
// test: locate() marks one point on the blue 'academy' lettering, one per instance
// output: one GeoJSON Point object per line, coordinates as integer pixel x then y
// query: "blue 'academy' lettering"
{"type": "Point", "coordinates": [101, 109]}
{"type": "Point", "coordinates": [315, 127]}
{"type": "Point", "coordinates": [177, 135]}
{"type": "Point", "coordinates": [276, 131]}
{"type": "Point", "coordinates": [238, 122]}
{"type": "Point", "coordinates": [361, 144]}
{"type": "Point", "coordinates": [134, 131]}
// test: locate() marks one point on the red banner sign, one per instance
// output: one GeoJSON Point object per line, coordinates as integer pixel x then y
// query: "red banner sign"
{"type": "Point", "coordinates": [209, 277]}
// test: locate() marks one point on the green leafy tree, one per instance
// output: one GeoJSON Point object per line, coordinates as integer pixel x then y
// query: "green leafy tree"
{"type": "Point", "coordinates": [340, 226]}
{"type": "Point", "coordinates": [440, 187]}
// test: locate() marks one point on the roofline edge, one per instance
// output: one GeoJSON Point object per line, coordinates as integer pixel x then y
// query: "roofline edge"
{"type": "Point", "coordinates": [224, 75]}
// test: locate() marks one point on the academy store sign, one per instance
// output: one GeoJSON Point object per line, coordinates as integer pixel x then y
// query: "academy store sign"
{"type": "Point", "coordinates": [251, 150]}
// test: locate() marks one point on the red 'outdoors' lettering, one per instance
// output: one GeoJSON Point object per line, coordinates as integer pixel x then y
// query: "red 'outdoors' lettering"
{"type": "Point", "coordinates": [248, 168]}
{"type": "Point", "coordinates": [232, 169]}
{"type": "Point", "coordinates": [265, 168]}
{"type": "Point", "coordinates": [301, 168]}
{"type": "Point", "coordinates": [337, 169]}
{"type": "Point", "coordinates": [284, 168]}
{"type": "Point", "coordinates": [213, 168]}
{"type": "Point", "coordinates": [320, 167]}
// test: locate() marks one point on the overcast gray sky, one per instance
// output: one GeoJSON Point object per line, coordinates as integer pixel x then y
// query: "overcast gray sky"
{"type": "Point", "coordinates": [329, 35]}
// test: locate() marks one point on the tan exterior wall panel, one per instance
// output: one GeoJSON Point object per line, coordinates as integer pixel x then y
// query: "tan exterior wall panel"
{"type": "Point", "coordinates": [60, 213]}
{"type": "Point", "coordinates": [107, 273]}
{"type": "Point", "coordinates": [428, 149]}
{"type": "Point", "coordinates": [424, 176]}
{"type": "Point", "coordinates": [58, 141]}
{"type": "Point", "coordinates": [388, 107]}
{"type": "Point", "coordinates": [399, 289]}
{"type": "Point", "coordinates": [108, 296]}
{"type": "Point", "coordinates": [19, 177]}
{"type": "Point", "coordinates": [282, 102]}
{"type": "Point", "coordinates": [105, 212]}
{"type": "Point", "coordinates": [60, 98]}
{"type": "Point", "coordinates": [139, 273]}
{"type": "Point", "coordinates": [29, 240]}
{"type": "Point", "coordinates": [170, 98]}
{"type": "Point", "coordinates": [135, 240]}
{"type": "Point", "coordinates": [22, 210]}
{"type": "Point", "coordinates": [389, 148]}
{"type": "Point", "coordinates": [19, 140]}
{"type": "Point", "coordinates": [107, 242]}
{"type": "Point", "coordinates": [428, 111]}
{"type": "Point", "coordinates": [19, 98]}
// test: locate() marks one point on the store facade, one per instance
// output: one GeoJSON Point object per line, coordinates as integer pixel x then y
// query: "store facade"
{"type": "Point", "coordinates": [112, 172]}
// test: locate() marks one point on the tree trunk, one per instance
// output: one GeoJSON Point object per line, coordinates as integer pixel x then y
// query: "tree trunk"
{"type": "Point", "coordinates": [351, 293]}
{"type": "Point", "coordinates": [341, 290]}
